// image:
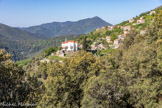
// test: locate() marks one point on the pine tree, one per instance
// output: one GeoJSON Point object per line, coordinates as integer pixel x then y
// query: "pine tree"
{"type": "Point", "coordinates": [84, 44]}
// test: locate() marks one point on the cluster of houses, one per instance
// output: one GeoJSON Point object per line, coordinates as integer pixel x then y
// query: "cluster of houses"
{"type": "Point", "coordinates": [141, 20]}
{"type": "Point", "coordinates": [99, 46]}
{"type": "Point", "coordinates": [116, 43]}
{"type": "Point", "coordinates": [106, 27]}
{"type": "Point", "coordinates": [71, 46]}
{"type": "Point", "coordinates": [120, 38]}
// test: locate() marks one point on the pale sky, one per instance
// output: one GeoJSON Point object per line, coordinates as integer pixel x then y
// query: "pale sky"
{"type": "Point", "coordinates": [23, 13]}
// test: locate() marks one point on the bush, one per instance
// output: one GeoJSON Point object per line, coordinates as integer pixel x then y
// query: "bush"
{"type": "Point", "coordinates": [50, 50]}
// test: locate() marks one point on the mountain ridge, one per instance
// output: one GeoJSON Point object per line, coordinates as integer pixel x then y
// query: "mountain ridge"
{"type": "Point", "coordinates": [11, 33]}
{"type": "Point", "coordinates": [55, 29]}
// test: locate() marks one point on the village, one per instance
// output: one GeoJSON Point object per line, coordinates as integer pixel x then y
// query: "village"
{"type": "Point", "coordinates": [117, 42]}
{"type": "Point", "coordinates": [70, 47]}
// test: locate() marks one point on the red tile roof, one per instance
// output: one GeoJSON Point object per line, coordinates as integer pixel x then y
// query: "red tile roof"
{"type": "Point", "coordinates": [69, 42]}
{"type": "Point", "coordinates": [108, 37]}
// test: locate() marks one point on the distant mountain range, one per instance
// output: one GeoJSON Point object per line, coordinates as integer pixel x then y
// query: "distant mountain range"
{"type": "Point", "coordinates": [68, 28]}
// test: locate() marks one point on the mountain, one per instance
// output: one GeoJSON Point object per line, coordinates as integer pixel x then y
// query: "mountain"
{"type": "Point", "coordinates": [68, 28]}
{"type": "Point", "coordinates": [11, 33]}
{"type": "Point", "coordinates": [22, 44]}
{"type": "Point", "coordinates": [15, 41]}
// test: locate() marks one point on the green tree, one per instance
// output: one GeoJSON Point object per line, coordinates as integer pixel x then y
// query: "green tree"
{"type": "Point", "coordinates": [15, 86]}
{"type": "Point", "coordinates": [84, 43]}
{"type": "Point", "coordinates": [108, 90]}
{"type": "Point", "coordinates": [113, 37]}
{"type": "Point", "coordinates": [11, 80]}
{"type": "Point", "coordinates": [66, 81]}
{"type": "Point", "coordinates": [50, 50]}
{"type": "Point", "coordinates": [108, 33]}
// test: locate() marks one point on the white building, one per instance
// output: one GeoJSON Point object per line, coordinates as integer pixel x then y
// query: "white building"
{"type": "Point", "coordinates": [116, 43]}
{"type": "Point", "coordinates": [108, 39]}
{"type": "Point", "coordinates": [141, 20]}
{"type": "Point", "coordinates": [126, 28]}
{"type": "Point", "coordinates": [152, 12]}
{"type": "Point", "coordinates": [131, 20]}
{"type": "Point", "coordinates": [70, 45]}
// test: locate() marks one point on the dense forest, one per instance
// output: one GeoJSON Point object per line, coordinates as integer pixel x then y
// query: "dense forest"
{"type": "Point", "coordinates": [27, 48]}
{"type": "Point", "coordinates": [129, 77]}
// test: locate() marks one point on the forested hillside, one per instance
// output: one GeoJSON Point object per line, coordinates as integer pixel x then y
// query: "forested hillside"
{"type": "Point", "coordinates": [14, 34]}
{"type": "Point", "coordinates": [68, 28]}
{"type": "Point", "coordinates": [26, 49]}
{"type": "Point", "coordinates": [22, 44]}
{"type": "Point", "coordinates": [128, 77]}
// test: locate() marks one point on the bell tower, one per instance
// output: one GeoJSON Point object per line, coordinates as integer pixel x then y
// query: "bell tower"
{"type": "Point", "coordinates": [65, 39]}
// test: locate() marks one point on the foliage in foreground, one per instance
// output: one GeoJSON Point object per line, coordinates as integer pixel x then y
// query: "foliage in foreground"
{"type": "Point", "coordinates": [14, 88]}
{"type": "Point", "coordinates": [129, 77]}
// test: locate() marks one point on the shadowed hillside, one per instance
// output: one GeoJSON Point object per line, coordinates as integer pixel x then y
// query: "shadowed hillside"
{"type": "Point", "coordinates": [68, 28]}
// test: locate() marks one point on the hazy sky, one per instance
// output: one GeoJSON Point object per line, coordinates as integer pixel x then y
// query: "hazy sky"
{"type": "Point", "coordinates": [22, 13]}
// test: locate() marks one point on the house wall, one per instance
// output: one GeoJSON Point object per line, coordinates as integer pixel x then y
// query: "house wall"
{"type": "Point", "coordinates": [116, 46]}
{"type": "Point", "coordinates": [140, 21]}
{"type": "Point", "coordinates": [69, 45]}
{"type": "Point", "coordinates": [126, 28]}
{"type": "Point", "coordinates": [125, 32]}
{"type": "Point", "coordinates": [116, 42]}
{"type": "Point", "coordinates": [131, 20]}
